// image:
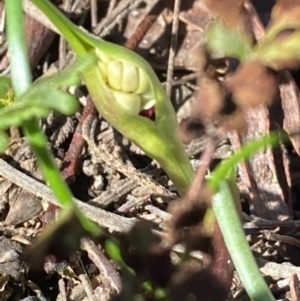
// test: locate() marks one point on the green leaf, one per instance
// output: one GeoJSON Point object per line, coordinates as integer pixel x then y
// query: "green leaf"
{"type": "Point", "coordinates": [225, 168]}
{"type": "Point", "coordinates": [227, 42]}
{"type": "Point", "coordinates": [69, 76]}
{"type": "Point", "coordinates": [45, 95]}
{"type": "Point", "coordinates": [277, 51]}
{"type": "Point", "coordinates": [5, 84]}
{"type": "Point", "coordinates": [113, 250]}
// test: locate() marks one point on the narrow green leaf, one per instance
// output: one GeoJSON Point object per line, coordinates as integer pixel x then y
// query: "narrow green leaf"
{"type": "Point", "coordinates": [46, 95]}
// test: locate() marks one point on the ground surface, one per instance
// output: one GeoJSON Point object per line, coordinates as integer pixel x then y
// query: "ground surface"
{"type": "Point", "coordinates": [116, 185]}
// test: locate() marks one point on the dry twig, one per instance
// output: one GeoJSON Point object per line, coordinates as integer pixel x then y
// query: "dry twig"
{"type": "Point", "coordinates": [173, 47]}
{"type": "Point", "coordinates": [105, 219]}
{"type": "Point", "coordinates": [101, 153]}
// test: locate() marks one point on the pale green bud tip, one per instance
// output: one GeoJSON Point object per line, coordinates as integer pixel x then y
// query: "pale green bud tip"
{"type": "Point", "coordinates": [102, 56]}
{"type": "Point", "coordinates": [130, 102]}
{"type": "Point", "coordinates": [128, 83]}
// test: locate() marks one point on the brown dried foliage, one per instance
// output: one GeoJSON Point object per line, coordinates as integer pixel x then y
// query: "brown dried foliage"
{"type": "Point", "coordinates": [192, 282]}
{"type": "Point", "coordinates": [253, 84]}
{"type": "Point", "coordinates": [284, 8]}
{"type": "Point", "coordinates": [186, 225]}
{"type": "Point", "coordinates": [142, 250]}
{"type": "Point", "coordinates": [230, 12]}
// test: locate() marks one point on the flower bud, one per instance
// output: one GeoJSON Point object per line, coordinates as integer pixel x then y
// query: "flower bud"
{"type": "Point", "coordinates": [129, 101]}
{"type": "Point", "coordinates": [103, 70]}
{"type": "Point", "coordinates": [143, 85]}
{"type": "Point", "coordinates": [127, 82]}
{"type": "Point", "coordinates": [103, 57]}
{"type": "Point", "coordinates": [114, 75]}
{"type": "Point", "coordinates": [130, 78]}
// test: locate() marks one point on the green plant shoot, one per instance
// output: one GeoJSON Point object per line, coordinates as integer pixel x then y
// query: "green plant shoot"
{"type": "Point", "coordinates": [15, 112]}
{"type": "Point", "coordinates": [124, 87]}
{"type": "Point", "coordinates": [223, 183]}
{"type": "Point", "coordinates": [38, 100]}
{"type": "Point", "coordinates": [122, 102]}
{"type": "Point", "coordinates": [6, 97]}
{"type": "Point", "coordinates": [278, 45]}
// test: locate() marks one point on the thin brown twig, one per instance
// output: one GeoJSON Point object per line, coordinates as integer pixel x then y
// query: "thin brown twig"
{"type": "Point", "coordinates": [103, 218]}
{"type": "Point", "coordinates": [111, 6]}
{"type": "Point", "coordinates": [105, 267]}
{"type": "Point", "coordinates": [221, 266]}
{"type": "Point", "coordinates": [173, 47]}
{"type": "Point", "coordinates": [94, 14]}
{"type": "Point", "coordinates": [106, 25]}
{"type": "Point", "coordinates": [144, 26]}
{"type": "Point", "coordinates": [70, 161]}
{"type": "Point", "coordinates": [205, 159]}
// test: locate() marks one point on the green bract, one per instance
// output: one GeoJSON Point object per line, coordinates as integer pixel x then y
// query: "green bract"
{"type": "Point", "coordinates": [122, 84]}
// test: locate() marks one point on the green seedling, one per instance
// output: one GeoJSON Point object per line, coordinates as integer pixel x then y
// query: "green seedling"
{"type": "Point", "coordinates": [125, 103]}
{"type": "Point", "coordinates": [279, 45]}
{"type": "Point", "coordinates": [31, 102]}
{"type": "Point", "coordinates": [38, 102]}
{"type": "Point", "coordinates": [128, 94]}
{"type": "Point", "coordinates": [223, 183]}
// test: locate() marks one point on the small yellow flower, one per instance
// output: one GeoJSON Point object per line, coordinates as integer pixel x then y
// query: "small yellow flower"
{"type": "Point", "coordinates": [7, 98]}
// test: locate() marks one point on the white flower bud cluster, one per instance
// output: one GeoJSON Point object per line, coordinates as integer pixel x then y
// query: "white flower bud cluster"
{"type": "Point", "coordinates": [128, 83]}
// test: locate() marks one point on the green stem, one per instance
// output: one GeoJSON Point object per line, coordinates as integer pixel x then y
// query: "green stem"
{"type": "Point", "coordinates": [21, 81]}
{"type": "Point", "coordinates": [178, 167]}
{"type": "Point", "coordinates": [245, 153]}
{"type": "Point", "coordinates": [237, 245]}
{"type": "Point", "coordinates": [228, 219]}
{"type": "Point", "coordinates": [45, 160]}
{"type": "Point", "coordinates": [19, 63]}
{"type": "Point", "coordinates": [62, 23]}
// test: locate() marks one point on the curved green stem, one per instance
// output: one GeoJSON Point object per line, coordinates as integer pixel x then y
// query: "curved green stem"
{"type": "Point", "coordinates": [178, 167]}
{"type": "Point", "coordinates": [244, 154]}
{"type": "Point", "coordinates": [62, 23]}
{"type": "Point", "coordinates": [229, 222]}
{"type": "Point", "coordinates": [228, 219]}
